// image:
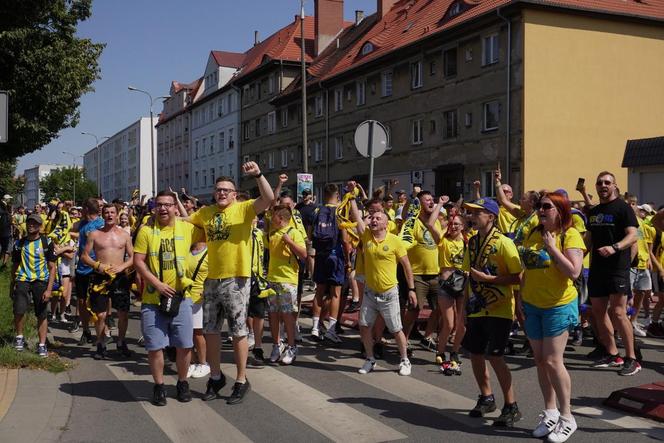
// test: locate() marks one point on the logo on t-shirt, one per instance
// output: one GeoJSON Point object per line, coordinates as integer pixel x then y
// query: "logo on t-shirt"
{"type": "Point", "coordinates": [218, 228]}
{"type": "Point", "coordinates": [602, 219]}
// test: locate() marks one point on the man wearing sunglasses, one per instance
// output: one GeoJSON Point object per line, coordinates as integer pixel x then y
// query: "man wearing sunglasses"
{"type": "Point", "coordinates": [228, 227]}
{"type": "Point", "coordinates": [612, 229]}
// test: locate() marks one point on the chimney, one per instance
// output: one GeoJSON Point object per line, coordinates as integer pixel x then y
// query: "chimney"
{"type": "Point", "coordinates": [256, 41]}
{"type": "Point", "coordinates": [329, 20]}
{"type": "Point", "coordinates": [383, 7]}
{"type": "Point", "coordinates": [359, 16]}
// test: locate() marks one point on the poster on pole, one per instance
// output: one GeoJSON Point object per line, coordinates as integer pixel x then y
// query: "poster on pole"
{"type": "Point", "coordinates": [305, 182]}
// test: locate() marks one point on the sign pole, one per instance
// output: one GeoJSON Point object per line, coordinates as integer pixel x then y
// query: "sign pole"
{"type": "Point", "coordinates": [371, 158]}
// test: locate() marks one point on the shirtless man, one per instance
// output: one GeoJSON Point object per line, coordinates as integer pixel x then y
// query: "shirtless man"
{"type": "Point", "coordinates": [113, 253]}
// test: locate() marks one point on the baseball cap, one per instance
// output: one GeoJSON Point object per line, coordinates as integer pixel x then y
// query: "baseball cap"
{"type": "Point", "coordinates": [6, 197]}
{"type": "Point", "coordinates": [401, 191]}
{"type": "Point", "coordinates": [646, 207]}
{"type": "Point", "coordinates": [488, 204]}
{"type": "Point", "coordinates": [563, 192]}
{"type": "Point", "coordinates": [34, 218]}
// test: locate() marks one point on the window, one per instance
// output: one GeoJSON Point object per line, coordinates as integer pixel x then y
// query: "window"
{"type": "Point", "coordinates": [271, 122]}
{"type": "Point", "coordinates": [388, 129]}
{"type": "Point", "coordinates": [386, 89]}
{"type": "Point", "coordinates": [270, 160]}
{"type": "Point", "coordinates": [284, 158]}
{"type": "Point", "coordinates": [220, 107]}
{"type": "Point", "coordinates": [245, 131]}
{"type": "Point", "coordinates": [204, 146]}
{"type": "Point", "coordinates": [488, 184]}
{"type": "Point", "coordinates": [339, 147]}
{"type": "Point", "coordinates": [284, 117]}
{"type": "Point", "coordinates": [212, 144]}
{"type": "Point", "coordinates": [196, 149]}
{"type": "Point", "coordinates": [257, 127]}
{"type": "Point", "coordinates": [432, 126]}
{"type": "Point", "coordinates": [416, 132]}
{"type": "Point", "coordinates": [468, 119]}
{"type": "Point", "coordinates": [450, 62]}
{"type": "Point", "coordinates": [491, 115]}
{"type": "Point", "coordinates": [204, 179]}
{"type": "Point", "coordinates": [455, 9]}
{"type": "Point", "coordinates": [318, 105]}
{"type": "Point", "coordinates": [490, 50]}
{"type": "Point", "coordinates": [318, 151]}
{"type": "Point", "coordinates": [338, 100]}
{"type": "Point", "coordinates": [432, 68]}
{"type": "Point", "coordinates": [230, 139]}
{"type": "Point", "coordinates": [198, 183]}
{"type": "Point", "coordinates": [272, 84]}
{"type": "Point", "coordinates": [212, 174]}
{"type": "Point", "coordinates": [416, 75]}
{"type": "Point", "coordinates": [451, 124]}
{"type": "Point", "coordinates": [230, 170]}
{"type": "Point", "coordinates": [360, 92]}
{"type": "Point", "coordinates": [367, 48]}
{"type": "Point", "coordinates": [222, 141]}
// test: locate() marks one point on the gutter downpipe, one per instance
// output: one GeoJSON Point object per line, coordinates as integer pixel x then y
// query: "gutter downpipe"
{"type": "Point", "coordinates": [508, 106]}
{"type": "Point", "coordinates": [327, 133]}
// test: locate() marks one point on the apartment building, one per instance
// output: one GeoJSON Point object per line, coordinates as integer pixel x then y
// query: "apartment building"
{"type": "Point", "coordinates": [126, 162]}
{"type": "Point", "coordinates": [215, 116]}
{"type": "Point", "coordinates": [32, 191]}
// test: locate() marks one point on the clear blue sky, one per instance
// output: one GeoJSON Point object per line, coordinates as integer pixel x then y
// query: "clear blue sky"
{"type": "Point", "coordinates": [149, 43]}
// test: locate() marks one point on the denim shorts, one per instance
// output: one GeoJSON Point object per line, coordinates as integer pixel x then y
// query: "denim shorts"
{"type": "Point", "coordinates": [550, 322]}
{"type": "Point", "coordinates": [160, 330]}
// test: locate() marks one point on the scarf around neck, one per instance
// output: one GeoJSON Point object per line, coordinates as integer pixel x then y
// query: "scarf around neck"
{"type": "Point", "coordinates": [182, 281]}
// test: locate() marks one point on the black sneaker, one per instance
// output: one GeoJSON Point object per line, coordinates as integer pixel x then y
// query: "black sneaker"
{"type": "Point", "coordinates": [484, 406]}
{"type": "Point", "coordinates": [86, 337]}
{"type": "Point", "coordinates": [123, 349]}
{"type": "Point", "coordinates": [379, 350]}
{"type": "Point", "coordinates": [100, 353]}
{"type": "Point", "coordinates": [239, 391]}
{"type": "Point", "coordinates": [509, 415]}
{"type": "Point", "coordinates": [630, 367]}
{"type": "Point", "coordinates": [259, 357]}
{"type": "Point", "coordinates": [213, 388]}
{"type": "Point", "coordinates": [74, 327]}
{"type": "Point", "coordinates": [159, 395]}
{"type": "Point", "coordinates": [429, 344]}
{"type": "Point", "coordinates": [184, 394]}
{"type": "Point", "coordinates": [597, 353]}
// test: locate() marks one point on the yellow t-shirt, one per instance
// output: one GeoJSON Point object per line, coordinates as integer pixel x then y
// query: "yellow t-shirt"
{"type": "Point", "coordinates": [142, 246]}
{"type": "Point", "coordinates": [505, 220]}
{"type": "Point", "coordinates": [522, 227]}
{"type": "Point", "coordinates": [283, 266]}
{"type": "Point", "coordinates": [423, 255]}
{"type": "Point", "coordinates": [380, 260]}
{"type": "Point", "coordinates": [195, 291]}
{"type": "Point", "coordinates": [545, 286]}
{"type": "Point", "coordinates": [392, 227]}
{"type": "Point", "coordinates": [580, 225]}
{"type": "Point", "coordinates": [391, 213]}
{"type": "Point", "coordinates": [450, 253]}
{"type": "Point", "coordinates": [228, 234]}
{"type": "Point", "coordinates": [503, 259]}
{"type": "Point", "coordinates": [645, 235]}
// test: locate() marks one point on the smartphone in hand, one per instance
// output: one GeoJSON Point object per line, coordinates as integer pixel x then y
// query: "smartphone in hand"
{"type": "Point", "coordinates": [580, 184]}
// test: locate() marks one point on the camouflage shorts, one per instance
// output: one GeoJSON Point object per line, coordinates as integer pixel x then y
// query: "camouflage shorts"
{"type": "Point", "coordinates": [285, 299]}
{"type": "Point", "coordinates": [226, 299]}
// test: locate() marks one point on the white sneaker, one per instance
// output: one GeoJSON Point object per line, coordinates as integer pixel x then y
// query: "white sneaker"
{"type": "Point", "coordinates": [638, 330]}
{"type": "Point", "coordinates": [276, 353]}
{"type": "Point", "coordinates": [191, 370]}
{"type": "Point", "coordinates": [289, 356]}
{"type": "Point", "coordinates": [564, 430]}
{"type": "Point", "coordinates": [201, 371]}
{"type": "Point", "coordinates": [404, 367]}
{"type": "Point", "coordinates": [332, 336]}
{"type": "Point", "coordinates": [251, 340]}
{"type": "Point", "coordinates": [315, 333]}
{"type": "Point", "coordinates": [282, 346]}
{"type": "Point", "coordinates": [368, 366]}
{"type": "Point", "coordinates": [547, 423]}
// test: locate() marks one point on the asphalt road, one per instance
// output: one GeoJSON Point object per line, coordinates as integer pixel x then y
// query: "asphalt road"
{"type": "Point", "coordinates": [323, 398]}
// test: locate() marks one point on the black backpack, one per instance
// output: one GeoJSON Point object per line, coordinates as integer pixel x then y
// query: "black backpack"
{"type": "Point", "coordinates": [325, 232]}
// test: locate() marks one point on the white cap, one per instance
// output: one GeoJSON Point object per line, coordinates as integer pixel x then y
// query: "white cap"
{"type": "Point", "coordinates": [7, 197]}
{"type": "Point", "coordinates": [645, 207]}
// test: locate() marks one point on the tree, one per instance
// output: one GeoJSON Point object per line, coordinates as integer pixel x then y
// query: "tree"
{"type": "Point", "coordinates": [60, 184]}
{"type": "Point", "coordinates": [45, 67]}
{"type": "Point", "coordinates": [8, 183]}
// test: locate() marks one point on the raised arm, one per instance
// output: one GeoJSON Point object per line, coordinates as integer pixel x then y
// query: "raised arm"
{"type": "Point", "coordinates": [266, 195]}
{"type": "Point", "coordinates": [283, 178]}
{"type": "Point", "coordinates": [356, 217]}
{"type": "Point", "coordinates": [502, 198]}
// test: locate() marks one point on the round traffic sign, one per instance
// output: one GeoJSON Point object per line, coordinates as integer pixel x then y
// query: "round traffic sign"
{"type": "Point", "coordinates": [371, 139]}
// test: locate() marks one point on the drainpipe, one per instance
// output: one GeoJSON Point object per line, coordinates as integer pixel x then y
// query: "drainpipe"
{"type": "Point", "coordinates": [238, 134]}
{"type": "Point", "coordinates": [327, 134]}
{"type": "Point", "coordinates": [508, 148]}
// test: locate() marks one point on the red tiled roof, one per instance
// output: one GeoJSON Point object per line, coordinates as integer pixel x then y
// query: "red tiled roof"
{"type": "Point", "coordinates": [411, 20]}
{"type": "Point", "coordinates": [176, 87]}
{"type": "Point", "coordinates": [228, 59]}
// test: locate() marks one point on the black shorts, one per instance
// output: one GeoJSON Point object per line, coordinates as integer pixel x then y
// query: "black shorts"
{"type": "Point", "coordinates": [603, 285]}
{"type": "Point", "coordinates": [24, 291]}
{"type": "Point", "coordinates": [487, 335]}
{"type": "Point", "coordinates": [4, 245]}
{"type": "Point", "coordinates": [82, 284]}
{"type": "Point", "coordinates": [257, 307]}
{"type": "Point", "coordinates": [117, 292]}
{"type": "Point", "coordinates": [329, 269]}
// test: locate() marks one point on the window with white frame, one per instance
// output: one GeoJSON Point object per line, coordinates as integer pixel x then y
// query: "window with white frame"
{"type": "Point", "coordinates": [271, 122]}
{"type": "Point", "coordinates": [284, 117]}
{"type": "Point", "coordinates": [204, 146]}
{"type": "Point", "coordinates": [318, 105]}
{"type": "Point", "coordinates": [196, 149]}
{"type": "Point", "coordinates": [272, 83]}
{"type": "Point", "coordinates": [360, 92]}
{"type": "Point", "coordinates": [339, 147]}
{"type": "Point", "coordinates": [367, 48]}
{"type": "Point", "coordinates": [212, 144]}
{"type": "Point", "coordinates": [416, 132]}
{"type": "Point", "coordinates": [231, 142]}
{"type": "Point", "coordinates": [386, 89]}
{"type": "Point", "coordinates": [491, 115]}
{"type": "Point", "coordinates": [416, 75]}
{"type": "Point", "coordinates": [220, 107]}
{"type": "Point", "coordinates": [222, 141]}
{"type": "Point", "coordinates": [338, 99]}
{"type": "Point", "coordinates": [451, 124]}
{"type": "Point", "coordinates": [490, 49]}
{"type": "Point", "coordinates": [284, 158]}
{"type": "Point", "coordinates": [270, 160]}
{"type": "Point", "coordinates": [489, 189]}
{"type": "Point", "coordinates": [450, 62]}
{"type": "Point", "coordinates": [318, 151]}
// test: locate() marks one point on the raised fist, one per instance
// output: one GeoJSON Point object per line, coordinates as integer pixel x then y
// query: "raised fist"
{"type": "Point", "coordinates": [251, 168]}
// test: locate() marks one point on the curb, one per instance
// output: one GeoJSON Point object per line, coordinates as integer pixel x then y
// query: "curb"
{"type": "Point", "coordinates": [8, 385]}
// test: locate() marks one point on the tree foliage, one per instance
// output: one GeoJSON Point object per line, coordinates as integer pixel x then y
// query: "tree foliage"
{"type": "Point", "coordinates": [8, 183]}
{"type": "Point", "coordinates": [60, 184]}
{"type": "Point", "coordinates": [45, 67]}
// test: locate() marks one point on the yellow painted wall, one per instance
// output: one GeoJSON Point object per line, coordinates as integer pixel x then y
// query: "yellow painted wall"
{"type": "Point", "coordinates": [589, 86]}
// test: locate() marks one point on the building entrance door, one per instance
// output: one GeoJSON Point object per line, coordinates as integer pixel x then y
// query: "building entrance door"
{"type": "Point", "coordinates": [449, 180]}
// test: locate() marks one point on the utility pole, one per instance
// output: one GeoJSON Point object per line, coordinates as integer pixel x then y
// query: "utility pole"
{"type": "Point", "coordinates": [305, 159]}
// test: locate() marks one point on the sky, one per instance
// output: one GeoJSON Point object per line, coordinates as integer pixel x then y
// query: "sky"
{"type": "Point", "coordinates": [150, 43]}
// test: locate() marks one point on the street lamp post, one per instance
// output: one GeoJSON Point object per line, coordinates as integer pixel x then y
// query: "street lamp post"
{"type": "Point", "coordinates": [305, 159]}
{"type": "Point", "coordinates": [152, 160]}
{"type": "Point", "coordinates": [73, 167]}
{"type": "Point", "coordinates": [98, 150]}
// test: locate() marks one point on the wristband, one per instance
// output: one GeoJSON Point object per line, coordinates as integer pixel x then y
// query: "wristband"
{"type": "Point", "coordinates": [411, 290]}
{"type": "Point", "coordinates": [259, 175]}
{"type": "Point", "coordinates": [615, 247]}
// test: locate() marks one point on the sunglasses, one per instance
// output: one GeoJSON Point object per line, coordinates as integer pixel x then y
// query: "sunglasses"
{"type": "Point", "coordinates": [544, 206]}
{"type": "Point", "coordinates": [604, 182]}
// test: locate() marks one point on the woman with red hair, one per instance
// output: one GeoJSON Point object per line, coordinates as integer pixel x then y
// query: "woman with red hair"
{"type": "Point", "coordinates": [552, 257]}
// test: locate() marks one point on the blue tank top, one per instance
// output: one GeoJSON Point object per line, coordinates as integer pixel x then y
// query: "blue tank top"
{"type": "Point", "coordinates": [84, 229]}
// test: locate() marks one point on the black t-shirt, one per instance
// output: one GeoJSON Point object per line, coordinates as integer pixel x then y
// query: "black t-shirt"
{"type": "Point", "coordinates": [307, 213]}
{"type": "Point", "coordinates": [607, 223]}
{"type": "Point", "coordinates": [5, 222]}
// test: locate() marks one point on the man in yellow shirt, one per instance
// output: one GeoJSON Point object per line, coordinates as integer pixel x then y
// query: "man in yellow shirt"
{"type": "Point", "coordinates": [228, 227]}
{"type": "Point", "coordinates": [639, 276]}
{"type": "Point", "coordinates": [381, 251]}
